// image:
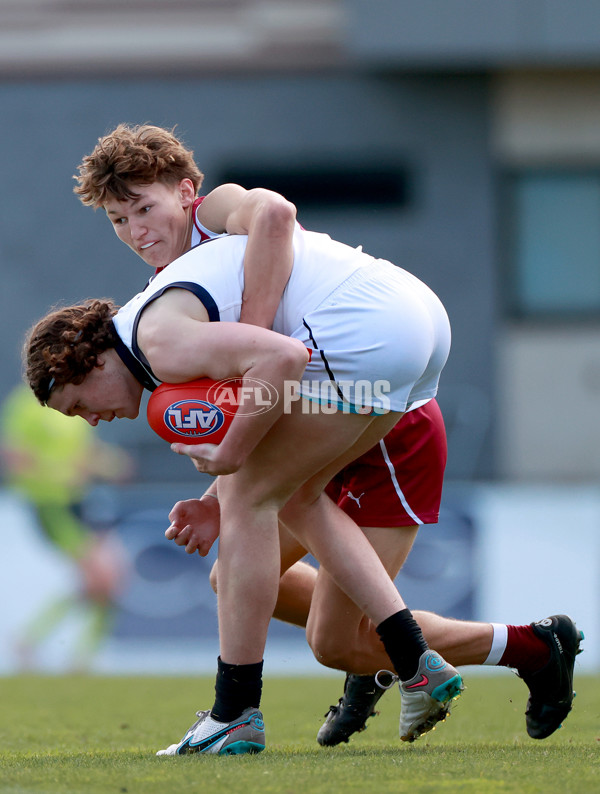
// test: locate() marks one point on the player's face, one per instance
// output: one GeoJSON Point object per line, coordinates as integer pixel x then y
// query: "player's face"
{"type": "Point", "coordinates": [106, 393]}
{"type": "Point", "coordinates": [157, 224]}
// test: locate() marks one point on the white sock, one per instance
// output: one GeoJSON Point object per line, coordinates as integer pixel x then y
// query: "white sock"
{"type": "Point", "coordinates": [499, 640]}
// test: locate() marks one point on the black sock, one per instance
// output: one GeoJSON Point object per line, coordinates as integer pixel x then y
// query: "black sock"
{"type": "Point", "coordinates": [238, 687]}
{"type": "Point", "coordinates": [403, 641]}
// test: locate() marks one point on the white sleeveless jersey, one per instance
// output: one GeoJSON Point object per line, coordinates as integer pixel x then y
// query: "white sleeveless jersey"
{"type": "Point", "coordinates": [199, 232]}
{"type": "Point", "coordinates": [365, 320]}
{"type": "Point", "coordinates": [214, 270]}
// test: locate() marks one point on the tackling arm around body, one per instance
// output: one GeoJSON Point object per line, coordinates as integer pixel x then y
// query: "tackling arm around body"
{"type": "Point", "coordinates": [180, 346]}
{"type": "Point", "coordinates": [269, 221]}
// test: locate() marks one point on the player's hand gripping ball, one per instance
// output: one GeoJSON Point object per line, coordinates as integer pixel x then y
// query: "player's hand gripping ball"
{"type": "Point", "coordinates": [197, 412]}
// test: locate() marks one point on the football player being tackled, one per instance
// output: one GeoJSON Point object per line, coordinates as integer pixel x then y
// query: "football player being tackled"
{"type": "Point", "coordinates": [147, 182]}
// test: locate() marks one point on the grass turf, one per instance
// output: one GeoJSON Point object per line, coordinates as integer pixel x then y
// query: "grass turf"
{"type": "Point", "coordinates": [88, 735]}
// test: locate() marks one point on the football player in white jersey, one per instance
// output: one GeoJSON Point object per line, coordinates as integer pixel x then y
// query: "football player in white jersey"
{"type": "Point", "coordinates": [147, 181]}
{"type": "Point", "coordinates": [91, 361]}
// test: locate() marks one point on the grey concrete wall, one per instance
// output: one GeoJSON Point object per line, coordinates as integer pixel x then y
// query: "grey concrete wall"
{"type": "Point", "coordinates": [53, 249]}
{"type": "Point", "coordinates": [473, 33]}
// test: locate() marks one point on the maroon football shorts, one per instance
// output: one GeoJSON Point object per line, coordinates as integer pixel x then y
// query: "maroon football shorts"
{"type": "Point", "coordinates": [397, 483]}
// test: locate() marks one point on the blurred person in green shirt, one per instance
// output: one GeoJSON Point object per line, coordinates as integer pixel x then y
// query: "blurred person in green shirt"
{"type": "Point", "coordinates": [51, 462]}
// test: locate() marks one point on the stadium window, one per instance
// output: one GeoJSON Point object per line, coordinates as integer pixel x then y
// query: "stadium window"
{"type": "Point", "coordinates": [554, 245]}
{"type": "Point", "coordinates": [325, 185]}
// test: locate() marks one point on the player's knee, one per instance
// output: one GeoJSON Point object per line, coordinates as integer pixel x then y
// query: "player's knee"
{"type": "Point", "coordinates": [327, 648]}
{"type": "Point", "coordinates": [303, 498]}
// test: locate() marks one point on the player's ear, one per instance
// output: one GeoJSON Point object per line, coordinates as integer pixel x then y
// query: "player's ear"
{"type": "Point", "coordinates": [187, 192]}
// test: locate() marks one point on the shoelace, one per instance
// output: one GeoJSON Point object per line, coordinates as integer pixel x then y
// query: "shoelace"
{"type": "Point", "coordinates": [201, 715]}
{"type": "Point", "coordinates": [385, 679]}
{"type": "Point", "coordinates": [333, 709]}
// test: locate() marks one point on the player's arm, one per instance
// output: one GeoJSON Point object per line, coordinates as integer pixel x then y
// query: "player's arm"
{"type": "Point", "coordinates": [180, 345]}
{"type": "Point", "coordinates": [269, 221]}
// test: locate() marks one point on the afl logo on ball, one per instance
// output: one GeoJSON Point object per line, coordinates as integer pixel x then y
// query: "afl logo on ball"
{"type": "Point", "coordinates": [188, 414]}
{"type": "Point", "coordinates": [193, 418]}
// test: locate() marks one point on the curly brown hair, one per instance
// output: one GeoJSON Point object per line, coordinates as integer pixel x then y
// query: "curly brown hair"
{"type": "Point", "coordinates": [63, 347]}
{"type": "Point", "coordinates": [129, 156]}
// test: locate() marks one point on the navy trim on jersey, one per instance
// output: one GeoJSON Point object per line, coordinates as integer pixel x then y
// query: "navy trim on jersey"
{"type": "Point", "coordinates": [200, 292]}
{"type": "Point", "coordinates": [325, 362]}
{"type": "Point", "coordinates": [133, 365]}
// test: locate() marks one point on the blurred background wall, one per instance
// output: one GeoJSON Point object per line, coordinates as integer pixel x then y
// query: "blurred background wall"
{"type": "Point", "coordinates": [458, 138]}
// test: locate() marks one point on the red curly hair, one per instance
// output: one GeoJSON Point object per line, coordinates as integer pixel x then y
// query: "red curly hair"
{"type": "Point", "coordinates": [130, 156]}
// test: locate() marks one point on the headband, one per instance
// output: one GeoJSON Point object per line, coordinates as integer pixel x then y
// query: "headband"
{"type": "Point", "coordinates": [49, 390]}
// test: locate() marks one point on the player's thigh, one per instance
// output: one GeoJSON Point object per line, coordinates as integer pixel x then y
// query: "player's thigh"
{"type": "Point", "coordinates": [333, 614]}
{"type": "Point", "coordinates": [317, 480]}
{"type": "Point", "coordinates": [305, 446]}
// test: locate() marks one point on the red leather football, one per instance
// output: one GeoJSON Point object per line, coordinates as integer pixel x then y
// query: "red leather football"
{"type": "Point", "coordinates": [197, 412]}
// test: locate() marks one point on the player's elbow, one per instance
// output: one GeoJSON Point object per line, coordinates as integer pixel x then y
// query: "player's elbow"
{"type": "Point", "coordinates": [276, 215]}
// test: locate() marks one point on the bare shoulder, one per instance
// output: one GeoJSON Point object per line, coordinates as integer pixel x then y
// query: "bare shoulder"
{"type": "Point", "coordinates": [218, 205]}
{"type": "Point", "coordinates": [169, 313]}
{"type": "Point", "coordinates": [171, 334]}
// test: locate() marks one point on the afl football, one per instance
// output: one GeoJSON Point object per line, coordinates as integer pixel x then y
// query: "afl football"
{"type": "Point", "coordinates": [197, 412]}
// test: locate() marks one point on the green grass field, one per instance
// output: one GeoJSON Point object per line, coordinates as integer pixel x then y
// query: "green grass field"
{"type": "Point", "coordinates": [84, 735]}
